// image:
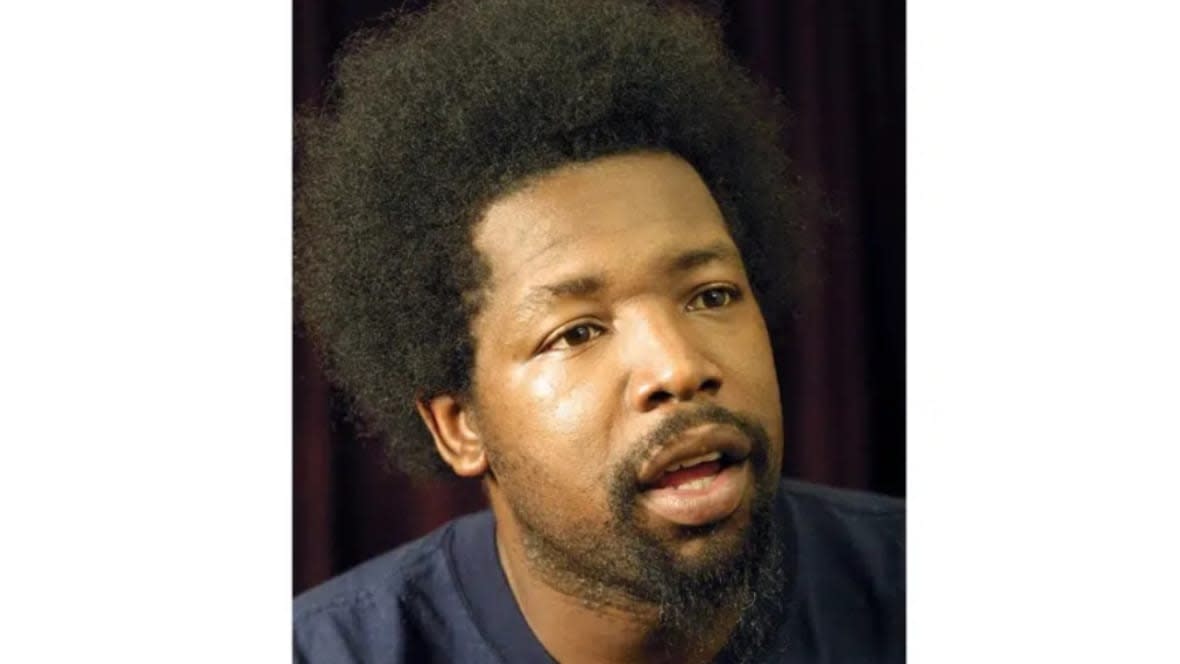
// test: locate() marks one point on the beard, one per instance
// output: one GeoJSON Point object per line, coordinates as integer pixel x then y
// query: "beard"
{"type": "Point", "coordinates": [625, 566]}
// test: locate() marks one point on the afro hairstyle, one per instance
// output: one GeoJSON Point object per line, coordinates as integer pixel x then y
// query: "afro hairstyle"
{"type": "Point", "coordinates": [431, 117]}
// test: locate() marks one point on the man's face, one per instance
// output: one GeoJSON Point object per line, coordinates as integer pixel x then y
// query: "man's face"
{"type": "Point", "coordinates": [619, 338]}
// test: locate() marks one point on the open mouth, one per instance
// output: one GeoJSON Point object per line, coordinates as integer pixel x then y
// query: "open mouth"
{"type": "Point", "coordinates": [694, 474]}
{"type": "Point", "coordinates": [698, 491]}
{"type": "Point", "coordinates": [700, 477]}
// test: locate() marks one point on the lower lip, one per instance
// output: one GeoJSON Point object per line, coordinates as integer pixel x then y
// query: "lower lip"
{"type": "Point", "coordinates": [697, 507]}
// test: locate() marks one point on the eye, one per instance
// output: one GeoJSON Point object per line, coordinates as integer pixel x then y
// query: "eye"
{"type": "Point", "coordinates": [714, 297]}
{"type": "Point", "coordinates": [574, 336]}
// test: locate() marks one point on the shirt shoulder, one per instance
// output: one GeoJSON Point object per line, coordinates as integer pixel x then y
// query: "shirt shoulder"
{"type": "Point", "coordinates": [402, 606]}
{"type": "Point", "coordinates": [847, 503]}
{"type": "Point", "coordinates": [371, 581]}
{"type": "Point", "coordinates": [844, 518]}
{"type": "Point", "coordinates": [862, 532]}
{"type": "Point", "coordinates": [851, 557]}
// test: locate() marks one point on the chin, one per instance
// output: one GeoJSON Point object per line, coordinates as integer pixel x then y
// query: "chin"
{"type": "Point", "coordinates": [699, 548]}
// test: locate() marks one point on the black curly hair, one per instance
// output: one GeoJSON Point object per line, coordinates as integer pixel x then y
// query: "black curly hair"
{"type": "Point", "coordinates": [433, 116]}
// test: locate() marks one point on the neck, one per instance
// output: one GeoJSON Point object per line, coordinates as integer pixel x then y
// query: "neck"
{"type": "Point", "coordinates": [620, 630]}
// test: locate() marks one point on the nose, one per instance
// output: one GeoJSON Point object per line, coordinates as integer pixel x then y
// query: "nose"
{"type": "Point", "coordinates": [668, 364]}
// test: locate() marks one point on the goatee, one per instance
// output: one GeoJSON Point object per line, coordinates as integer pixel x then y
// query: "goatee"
{"type": "Point", "coordinates": [628, 566]}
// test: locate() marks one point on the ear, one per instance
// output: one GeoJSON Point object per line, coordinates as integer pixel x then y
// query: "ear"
{"type": "Point", "coordinates": [452, 424]}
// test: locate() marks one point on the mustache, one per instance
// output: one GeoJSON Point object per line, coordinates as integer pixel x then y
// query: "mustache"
{"type": "Point", "coordinates": [679, 422]}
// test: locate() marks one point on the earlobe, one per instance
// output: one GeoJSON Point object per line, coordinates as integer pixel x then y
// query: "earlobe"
{"type": "Point", "coordinates": [455, 432]}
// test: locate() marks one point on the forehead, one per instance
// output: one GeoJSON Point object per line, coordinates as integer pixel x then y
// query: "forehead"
{"type": "Point", "coordinates": [617, 214]}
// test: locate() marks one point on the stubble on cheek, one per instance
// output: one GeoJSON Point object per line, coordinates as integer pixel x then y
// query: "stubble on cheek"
{"type": "Point", "coordinates": [567, 530]}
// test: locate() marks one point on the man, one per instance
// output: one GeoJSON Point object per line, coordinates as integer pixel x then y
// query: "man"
{"type": "Point", "coordinates": [547, 244]}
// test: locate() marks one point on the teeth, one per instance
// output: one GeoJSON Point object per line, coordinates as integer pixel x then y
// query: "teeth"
{"type": "Point", "coordinates": [688, 463]}
{"type": "Point", "coordinates": [696, 484]}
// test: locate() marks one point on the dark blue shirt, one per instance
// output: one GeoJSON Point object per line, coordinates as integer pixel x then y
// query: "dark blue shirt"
{"type": "Point", "coordinates": [444, 598]}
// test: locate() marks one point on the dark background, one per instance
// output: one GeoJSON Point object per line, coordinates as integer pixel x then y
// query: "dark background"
{"type": "Point", "coordinates": [840, 65]}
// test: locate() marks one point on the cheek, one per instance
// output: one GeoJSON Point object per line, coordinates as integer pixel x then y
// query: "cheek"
{"type": "Point", "coordinates": [758, 378]}
{"type": "Point", "coordinates": [561, 419]}
{"type": "Point", "coordinates": [758, 365]}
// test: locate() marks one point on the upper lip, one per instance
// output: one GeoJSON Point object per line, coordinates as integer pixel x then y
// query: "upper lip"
{"type": "Point", "coordinates": [704, 439]}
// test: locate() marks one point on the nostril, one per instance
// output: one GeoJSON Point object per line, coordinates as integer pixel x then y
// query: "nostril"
{"type": "Point", "coordinates": [659, 397]}
{"type": "Point", "coordinates": [710, 386]}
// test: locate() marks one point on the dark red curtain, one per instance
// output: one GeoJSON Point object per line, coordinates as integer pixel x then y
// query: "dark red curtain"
{"type": "Point", "coordinates": [841, 66]}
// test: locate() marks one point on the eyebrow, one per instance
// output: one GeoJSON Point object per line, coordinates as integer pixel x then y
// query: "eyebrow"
{"type": "Point", "coordinates": [580, 286]}
{"type": "Point", "coordinates": [689, 260]}
{"type": "Point", "coordinates": [591, 284]}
